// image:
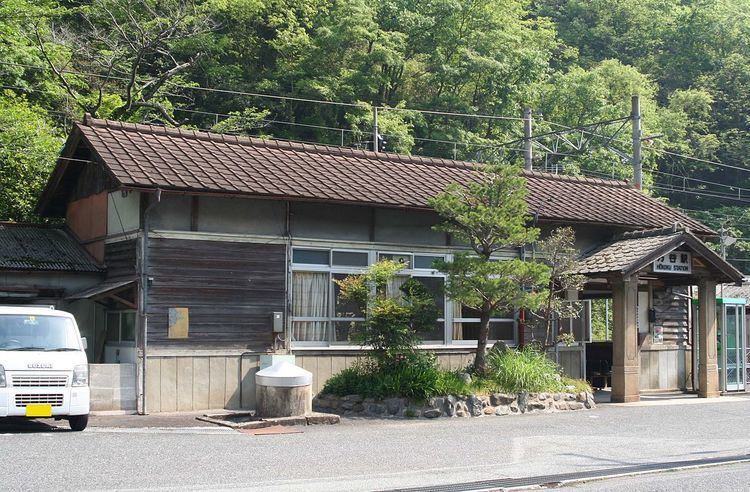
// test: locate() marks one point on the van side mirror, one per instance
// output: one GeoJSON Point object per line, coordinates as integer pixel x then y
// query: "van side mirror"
{"type": "Point", "coordinates": [85, 343]}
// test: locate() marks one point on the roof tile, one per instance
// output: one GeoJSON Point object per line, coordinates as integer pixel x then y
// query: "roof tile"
{"type": "Point", "coordinates": [169, 158]}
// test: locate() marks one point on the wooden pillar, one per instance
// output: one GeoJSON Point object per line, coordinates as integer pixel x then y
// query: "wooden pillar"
{"type": "Point", "coordinates": [708, 370]}
{"type": "Point", "coordinates": [626, 364]}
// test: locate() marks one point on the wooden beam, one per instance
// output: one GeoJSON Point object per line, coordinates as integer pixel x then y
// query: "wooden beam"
{"type": "Point", "coordinates": [194, 210]}
{"type": "Point", "coordinates": [125, 302]}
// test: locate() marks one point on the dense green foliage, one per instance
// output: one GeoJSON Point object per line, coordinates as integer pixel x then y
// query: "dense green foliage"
{"type": "Point", "coordinates": [393, 320]}
{"type": "Point", "coordinates": [418, 377]}
{"type": "Point", "coordinates": [573, 62]}
{"type": "Point", "coordinates": [510, 371]}
{"type": "Point", "coordinates": [528, 369]}
{"type": "Point", "coordinates": [29, 144]}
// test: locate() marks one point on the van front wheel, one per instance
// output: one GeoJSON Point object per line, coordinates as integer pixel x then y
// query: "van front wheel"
{"type": "Point", "coordinates": [78, 422]}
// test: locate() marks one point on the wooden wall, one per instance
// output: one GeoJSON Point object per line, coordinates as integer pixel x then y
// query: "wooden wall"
{"type": "Point", "coordinates": [87, 219]}
{"type": "Point", "coordinates": [120, 259]}
{"type": "Point", "coordinates": [229, 288]}
{"type": "Point", "coordinates": [672, 314]}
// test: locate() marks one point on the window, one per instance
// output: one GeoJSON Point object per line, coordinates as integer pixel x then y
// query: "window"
{"type": "Point", "coordinates": [425, 262]}
{"type": "Point", "coordinates": [466, 324]}
{"type": "Point", "coordinates": [310, 256]}
{"type": "Point", "coordinates": [347, 316]}
{"type": "Point", "coordinates": [120, 326]}
{"type": "Point", "coordinates": [310, 306]}
{"type": "Point", "coordinates": [403, 259]}
{"type": "Point", "coordinates": [319, 316]}
{"type": "Point", "coordinates": [350, 258]}
{"type": "Point", "coordinates": [436, 287]}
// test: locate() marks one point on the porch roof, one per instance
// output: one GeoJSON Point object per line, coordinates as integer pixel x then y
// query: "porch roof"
{"type": "Point", "coordinates": [102, 289]}
{"type": "Point", "coordinates": [634, 251]}
{"type": "Point", "coordinates": [149, 157]}
{"type": "Point", "coordinates": [38, 247]}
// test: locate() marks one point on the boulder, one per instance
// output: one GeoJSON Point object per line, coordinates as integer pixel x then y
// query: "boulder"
{"type": "Point", "coordinates": [502, 410]}
{"type": "Point", "coordinates": [394, 405]}
{"type": "Point", "coordinates": [475, 405]}
{"type": "Point", "coordinates": [375, 408]}
{"type": "Point", "coordinates": [523, 399]}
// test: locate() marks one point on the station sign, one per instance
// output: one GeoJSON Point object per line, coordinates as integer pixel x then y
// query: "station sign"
{"type": "Point", "coordinates": [674, 262]}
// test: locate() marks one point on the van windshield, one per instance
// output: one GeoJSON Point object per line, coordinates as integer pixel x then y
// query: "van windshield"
{"type": "Point", "coordinates": [43, 333]}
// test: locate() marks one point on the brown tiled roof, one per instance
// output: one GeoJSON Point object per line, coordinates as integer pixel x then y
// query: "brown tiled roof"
{"type": "Point", "coordinates": [42, 248]}
{"type": "Point", "coordinates": [143, 156]}
{"type": "Point", "coordinates": [636, 250]}
{"type": "Point", "coordinates": [621, 255]}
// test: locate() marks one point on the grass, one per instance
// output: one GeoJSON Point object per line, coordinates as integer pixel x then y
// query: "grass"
{"type": "Point", "coordinates": [419, 378]}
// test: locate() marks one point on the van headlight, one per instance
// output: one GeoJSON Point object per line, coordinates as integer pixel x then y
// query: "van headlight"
{"type": "Point", "coordinates": [81, 375]}
{"type": "Point", "coordinates": [2, 376]}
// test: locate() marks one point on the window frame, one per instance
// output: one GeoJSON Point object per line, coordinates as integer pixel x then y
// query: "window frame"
{"type": "Point", "coordinates": [120, 313]}
{"type": "Point", "coordinates": [374, 254]}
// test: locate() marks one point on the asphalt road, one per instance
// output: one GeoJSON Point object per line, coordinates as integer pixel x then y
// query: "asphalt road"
{"type": "Point", "coordinates": [380, 454]}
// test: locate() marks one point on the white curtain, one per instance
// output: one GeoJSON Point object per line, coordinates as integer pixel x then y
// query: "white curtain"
{"type": "Point", "coordinates": [310, 299]}
{"type": "Point", "coordinates": [458, 329]}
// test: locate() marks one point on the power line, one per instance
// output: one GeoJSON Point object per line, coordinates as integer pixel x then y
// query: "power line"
{"type": "Point", "coordinates": [480, 146]}
{"type": "Point", "coordinates": [698, 180]}
{"type": "Point", "coordinates": [583, 128]}
{"type": "Point", "coordinates": [675, 154]}
{"type": "Point", "coordinates": [665, 187]}
{"type": "Point", "coordinates": [285, 98]}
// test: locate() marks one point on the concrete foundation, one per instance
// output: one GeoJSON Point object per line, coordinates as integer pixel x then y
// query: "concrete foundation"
{"type": "Point", "coordinates": [274, 401]}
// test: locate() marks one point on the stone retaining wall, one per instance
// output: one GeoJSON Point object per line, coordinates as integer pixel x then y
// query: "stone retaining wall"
{"type": "Point", "coordinates": [454, 406]}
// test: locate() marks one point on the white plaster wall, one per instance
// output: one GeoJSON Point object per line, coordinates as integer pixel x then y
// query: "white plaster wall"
{"type": "Point", "coordinates": [326, 221]}
{"type": "Point", "coordinates": [172, 213]}
{"type": "Point", "coordinates": [123, 209]}
{"type": "Point", "coordinates": [407, 227]}
{"type": "Point", "coordinates": [241, 216]}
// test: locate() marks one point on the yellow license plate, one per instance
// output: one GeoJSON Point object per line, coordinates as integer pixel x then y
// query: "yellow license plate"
{"type": "Point", "coordinates": [39, 410]}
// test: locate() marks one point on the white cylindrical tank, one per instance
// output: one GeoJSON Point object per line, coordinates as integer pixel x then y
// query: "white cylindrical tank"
{"type": "Point", "coordinates": [283, 390]}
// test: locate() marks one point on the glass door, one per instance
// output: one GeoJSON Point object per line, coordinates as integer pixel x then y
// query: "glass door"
{"type": "Point", "coordinates": [734, 348]}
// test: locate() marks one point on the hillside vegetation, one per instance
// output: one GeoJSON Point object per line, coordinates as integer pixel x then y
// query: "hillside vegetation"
{"type": "Point", "coordinates": [573, 62]}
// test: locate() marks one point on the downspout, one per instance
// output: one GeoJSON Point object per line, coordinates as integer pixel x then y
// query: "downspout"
{"type": "Point", "coordinates": [143, 305]}
{"type": "Point", "coordinates": [287, 277]}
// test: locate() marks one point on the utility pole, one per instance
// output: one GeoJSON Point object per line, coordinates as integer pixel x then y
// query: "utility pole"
{"type": "Point", "coordinates": [375, 128]}
{"type": "Point", "coordinates": [527, 134]}
{"type": "Point", "coordinates": [635, 116]}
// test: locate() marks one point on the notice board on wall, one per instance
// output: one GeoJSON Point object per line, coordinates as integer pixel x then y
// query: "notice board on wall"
{"type": "Point", "coordinates": [179, 322]}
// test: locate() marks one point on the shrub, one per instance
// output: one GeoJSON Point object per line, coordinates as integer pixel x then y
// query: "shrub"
{"type": "Point", "coordinates": [415, 376]}
{"type": "Point", "coordinates": [528, 369]}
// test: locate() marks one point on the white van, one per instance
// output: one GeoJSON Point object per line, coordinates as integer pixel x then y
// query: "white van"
{"type": "Point", "coordinates": [43, 366]}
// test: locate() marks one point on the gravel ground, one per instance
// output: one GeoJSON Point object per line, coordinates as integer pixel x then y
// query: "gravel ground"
{"type": "Point", "coordinates": [368, 454]}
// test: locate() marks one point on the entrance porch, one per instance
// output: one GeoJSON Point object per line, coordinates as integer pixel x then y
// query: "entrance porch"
{"type": "Point", "coordinates": [630, 270]}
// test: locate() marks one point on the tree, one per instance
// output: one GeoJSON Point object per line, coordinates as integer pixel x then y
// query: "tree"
{"type": "Point", "coordinates": [393, 320]}
{"type": "Point", "coordinates": [559, 252]}
{"type": "Point", "coordinates": [122, 55]}
{"type": "Point", "coordinates": [489, 216]}
{"type": "Point", "coordinates": [29, 144]}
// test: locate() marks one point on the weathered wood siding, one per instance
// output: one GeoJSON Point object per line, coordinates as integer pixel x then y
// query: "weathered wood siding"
{"type": "Point", "coordinates": [671, 308]}
{"type": "Point", "coordinates": [120, 258]}
{"type": "Point", "coordinates": [229, 288]}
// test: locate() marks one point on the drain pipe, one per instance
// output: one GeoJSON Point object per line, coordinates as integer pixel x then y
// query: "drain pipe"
{"type": "Point", "coordinates": [143, 305]}
{"type": "Point", "coordinates": [287, 279]}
